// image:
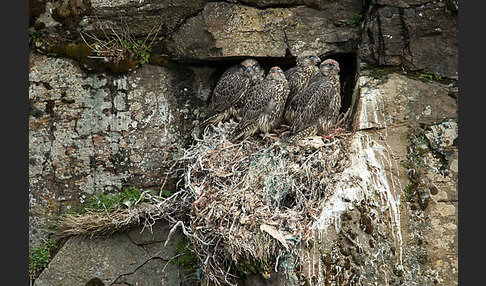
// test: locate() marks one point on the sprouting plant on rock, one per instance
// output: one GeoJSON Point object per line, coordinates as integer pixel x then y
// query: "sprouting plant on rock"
{"type": "Point", "coordinates": [354, 20]}
{"type": "Point", "coordinates": [121, 48]}
{"type": "Point", "coordinates": [431, 76]}
{"type": "Point", "coordinates": [109, 202]}
{"type": "Point", "coordinates": [40, 256]}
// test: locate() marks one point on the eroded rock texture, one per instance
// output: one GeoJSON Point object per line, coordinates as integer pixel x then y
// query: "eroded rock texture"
{"type": "Point", "coordinates": [96, 132]}
{"type": "Point", "coordinates": [137, 257]}
{"type": "Point", "coordinates": [414, 35]}
{"type": "Point", "coordinates": [393, 219]}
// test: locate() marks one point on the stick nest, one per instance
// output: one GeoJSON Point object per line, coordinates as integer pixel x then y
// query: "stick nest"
{"type": "Point", "coordinates": [255, 200]}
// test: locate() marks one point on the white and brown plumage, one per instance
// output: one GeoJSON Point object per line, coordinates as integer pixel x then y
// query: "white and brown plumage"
{"type": "Point", "coordinates": [229, 95]}
{"type": "Point", "coordinates": [319, 103]}
{"type": "Point", "coordinates": [264, 106]}
{"type": "Point", "coordinates": [298, 77]}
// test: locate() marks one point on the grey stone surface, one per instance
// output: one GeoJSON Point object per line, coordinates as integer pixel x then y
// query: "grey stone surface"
{"type": "Point", "coordinates": [400, 99]}
{"type": "Point", "coordinates": [100, 133]}
{"type": "Point", "coordinates": [321, 31]}
{"type": "Point", "coordinates": [118, 259]}
{"type": "Point", "coordinates": [442, 135]}
{"type": "Point", "coordinates": [154, 272]}
{"type": "Point", "coordinates": [158, 232]}
{"type": "Point", "coordinates": [141, 18]}
{"type": "Point", "coordinates": [415, 36]}
{"type": "Point", "coordinates": [226, 30]}
{"type": "Point", "coordinates": [82, 259]}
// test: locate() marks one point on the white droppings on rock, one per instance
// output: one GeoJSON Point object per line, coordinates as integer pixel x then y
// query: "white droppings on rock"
{"type": "Point", "coordinates": [367, 177]}
{"type": "Point", "coordinates": [372, 113]}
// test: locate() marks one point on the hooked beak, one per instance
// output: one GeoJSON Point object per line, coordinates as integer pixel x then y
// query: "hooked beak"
{"type": "Point", "coordinates": [316, 59]}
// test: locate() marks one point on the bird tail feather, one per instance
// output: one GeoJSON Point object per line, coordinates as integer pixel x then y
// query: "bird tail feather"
{"type": "Point", "coordinates": [299, 135]}
{"type": "Point", "coordinates": [243, 132]}
{"type": "Point", "coordinates": [214, 119]}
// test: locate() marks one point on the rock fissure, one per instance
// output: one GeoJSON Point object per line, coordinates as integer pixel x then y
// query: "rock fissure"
{"type": "Point", "coordinates": [96, 130]}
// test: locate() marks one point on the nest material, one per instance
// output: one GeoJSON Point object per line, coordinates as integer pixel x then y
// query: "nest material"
{"type": "Point", "coordinates": [255, 200]}
{"type": "Point", "coordinates": [104, 223]}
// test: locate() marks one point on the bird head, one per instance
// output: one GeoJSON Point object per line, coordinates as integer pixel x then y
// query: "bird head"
{"type": "Point", "coordinates": [249, 65]}
{"type": "Point", "coordinates": [329, 67]}
{"type": "Point", "coordinates": [276, 73]}
{"type": "Point", "coordinates": [252, 69]}
{"type": "Point", "coordinates": [308, 58]}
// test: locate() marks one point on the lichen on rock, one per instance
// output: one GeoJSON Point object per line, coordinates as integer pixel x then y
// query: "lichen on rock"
{"type": "Point", "coordinates": [380, 210]}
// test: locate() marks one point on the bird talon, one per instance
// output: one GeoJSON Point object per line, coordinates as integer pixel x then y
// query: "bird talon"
{"type": "Point", "coordinates": [327, 137]}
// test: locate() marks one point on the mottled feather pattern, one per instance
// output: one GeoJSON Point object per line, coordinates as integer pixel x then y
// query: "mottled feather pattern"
{"type": "Point", "coordinates": [319, 103]}
{"type": "Point", "coordinates": [264, 106]}
{"type": "Point", "coordinates": [298, 77]}
{"type": "Point", "coordinates": [229, 89]}
{"type": "Point", "coordinates": [307, 97]}
{"type": "Point", "coordinates": [229, 95]}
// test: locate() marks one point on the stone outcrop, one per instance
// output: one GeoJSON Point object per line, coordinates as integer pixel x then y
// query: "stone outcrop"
{"type": "Point", "coordinates": [201, 30]}
{"type": "Point", "coordinates": [132, 258]}
{"type": "Point", "coordinates": [394, 218]}
{"type": "Point", "coordinates": [400, 99]}
{"type": "Point", "coordinates": [100, 132]}
{"type": "Point", "coordinates": [416, 35]}
{"type": "Point", "coordinates": [413, 35]}
{"type": "Point", "coordinates": [140, 17]}
{"type": "Point", "coordinates": [236, 30]}
{"type": "Point", "coordinates": [417, 122]}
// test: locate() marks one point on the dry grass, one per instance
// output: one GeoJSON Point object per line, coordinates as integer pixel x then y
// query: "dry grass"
{"type": "Point", "coordinates": [103, 223]}
{"type": "Point", "coordinates": [255, 199]}
{"type": "Point", "coordinates": [120, 47]}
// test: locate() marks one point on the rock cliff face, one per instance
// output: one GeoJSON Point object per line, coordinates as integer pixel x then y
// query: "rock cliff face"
{"type": "Point", "coordinates": [414, 35]}
{"type": "Point", "coordinates": [393, 218]}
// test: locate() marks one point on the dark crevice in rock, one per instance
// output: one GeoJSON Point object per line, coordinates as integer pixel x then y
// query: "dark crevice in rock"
{"type": "Point", "coordinates": [448, 201]}
{"type": "Point", "coordinates": [262, 5]}
{"type": "Point", "coordinates": [116, 281]}
{"type": "Point", "coordinates": [406, 52]}
{"type": "Point", "coordinates": [377, 42]}
{"type": "Point", "coordinates": [141, 246]}
{"type": "Point", "coordinates": [348, 64]}
{"type": "Point", "coordinates": [119, 280]}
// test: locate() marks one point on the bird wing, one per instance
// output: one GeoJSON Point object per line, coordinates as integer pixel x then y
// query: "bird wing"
{"type": "Point", "coordinates": [313, 103]}
{"type": "Point", "coordinates": [259, 101]}
{"type": "Point", "coordinates": [231, 86]}
{"type": "Point", "coordinates": [293, 76]}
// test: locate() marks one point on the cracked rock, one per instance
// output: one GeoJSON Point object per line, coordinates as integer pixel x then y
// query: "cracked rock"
{"type": "Point", "coordinates": [103, 258]}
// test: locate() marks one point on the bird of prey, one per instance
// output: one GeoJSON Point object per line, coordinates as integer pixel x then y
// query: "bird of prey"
{"type": "Point", "coordinates": [264, 106]}
{"type": "Point", "coordinates": [298, 77]}
{"type": "Point", "coordinates": [229, 95]}
{"type": "Point", "coordinates": [319, 103]}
